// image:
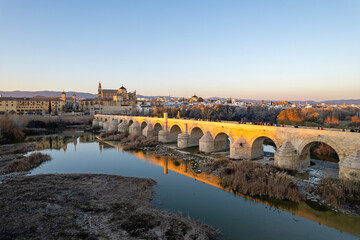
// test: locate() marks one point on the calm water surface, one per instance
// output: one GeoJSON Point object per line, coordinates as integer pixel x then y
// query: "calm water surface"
{"type": "Point", "coordinates": [237, 217]}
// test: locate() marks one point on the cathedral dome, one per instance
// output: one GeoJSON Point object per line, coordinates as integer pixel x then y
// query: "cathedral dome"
{"type": "Point", "coordinates": [122, 90]}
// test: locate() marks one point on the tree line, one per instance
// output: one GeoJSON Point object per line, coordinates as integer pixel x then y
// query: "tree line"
{"type": "Point", "coordinates": [313, 117]}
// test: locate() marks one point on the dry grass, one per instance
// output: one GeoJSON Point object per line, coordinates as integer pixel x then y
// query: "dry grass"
{"type": "Point", "coordinates": [115, 137]}
{"type": "Point", "coordinates": [256, 179]}
{"type": "Point", "coordinates": [339, 192]}
{"type": "Point", "coordinates": [138, 142]}
{"type": "Point", "coordinates": [26, 164]}
{"type": "Point", "coordinates": [218, 163]}
{"type": "Point", "coordinates": [107, 134]}
{"type": "Point", "coordinates": [130, 142]}
{"type": "Point", "coordinates": [12, 127]}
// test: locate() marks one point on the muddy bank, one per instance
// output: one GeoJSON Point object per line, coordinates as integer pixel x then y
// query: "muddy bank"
{"type": "Point", "coordinates": [17, 148]}
{"type": "Point", "coordinates": [15, 165]}
{"type": "Point", "coordinates": [88, 206]}
{"type": "Point", "coordinates": [24, 164]}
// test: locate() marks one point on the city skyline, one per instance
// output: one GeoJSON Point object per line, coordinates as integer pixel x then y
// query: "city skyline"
{"type": "Point", "coordinates": [298, 50]}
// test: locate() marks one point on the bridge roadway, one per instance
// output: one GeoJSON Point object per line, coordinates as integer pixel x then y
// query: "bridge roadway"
{"type": "Point", "coordinates": [244, 141]}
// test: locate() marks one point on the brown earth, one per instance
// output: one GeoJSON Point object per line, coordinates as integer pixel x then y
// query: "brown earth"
{"type": "Point", "coordinates": [88, 206]}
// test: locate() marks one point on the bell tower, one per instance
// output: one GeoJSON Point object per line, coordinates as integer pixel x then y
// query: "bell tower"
{"type": "Point", "coordinates": [63, 96]}
{"type": "Point", "coordinates": [99, 91]}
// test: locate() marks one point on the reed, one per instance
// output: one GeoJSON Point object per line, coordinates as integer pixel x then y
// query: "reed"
{"type": "Point", "coordinates": [257, 179]}
{"type": "Point", "coordinates": [27, 163]}
{"type": "Point", "coordinates": [339, 192]}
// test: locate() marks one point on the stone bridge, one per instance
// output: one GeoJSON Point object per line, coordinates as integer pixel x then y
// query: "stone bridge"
{"type": "Point", "coordinates": [244, 141]}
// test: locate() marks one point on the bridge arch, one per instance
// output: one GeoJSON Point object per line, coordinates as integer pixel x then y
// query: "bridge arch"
{"type": "Point", "coordinates": [307, 145]}
{"type": "Point", "coordinates": [157, 128]}
{"type": "Point", "coordinates": [174, 131]}
{"type": "Point", "coordinates": [257, 148]}
{"type": "Point", "coordinates": [181, 126]}
{"type": "Point", "coordinates": [130, 122]}
{"type": "Point", "coordinates": [222, 142]}
{"type": "Point", "coordinates": [195, 134]}
{"type": "Point", "coordinates": [143, 124]}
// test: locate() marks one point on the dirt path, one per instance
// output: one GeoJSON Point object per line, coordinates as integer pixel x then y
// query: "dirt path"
{"type": "Point", "coordinates": [88, 206]}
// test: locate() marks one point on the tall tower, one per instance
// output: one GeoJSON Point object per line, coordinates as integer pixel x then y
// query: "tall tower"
{"type": "Point", "coordinates": [99, 91]}
{"type": "Point", "coordinates": [63, 96]}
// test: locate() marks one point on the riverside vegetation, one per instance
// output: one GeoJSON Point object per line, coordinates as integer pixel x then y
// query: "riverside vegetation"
{"type": "Point", "coordinates": [346, 117]}
{"type": "Point", "coordinates": [24, 164]}
{"type": "Point", "coordinates": [14, 128]}
{"type": "Point", "coordinates": [130, 142]}
{"type": "Point", "coordinates": [258, 179]}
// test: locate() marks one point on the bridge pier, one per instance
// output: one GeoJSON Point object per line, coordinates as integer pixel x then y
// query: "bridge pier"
{"type": "Point", "coordinates": [135, 129]}
{"type": "Point", "coordinates": [349, 167]}
{"type": "Point", "coordinates": [101, 124]}
{"type": "Point", "coordinates": [288, 158]}
{"type": "Point", "coordinates": [113, 126]}
{"type": "Point", "coordinates": [206, 143]}
{"type": "Point", "coordinates": [240, 149]}
{"type": "Point", "coordinates": [148, 131]}
{"type": "Point", "coordinates": [123, 127]}
{"type": "Point", "coordinates": [106, 126]}
{"type": "Point", "coordinates": [183, 140]}
{"type": "Point", "coordinates": [257, 150]}
{"type": "Point", "coordinates": [95, 123]}
{"type": "Point", "coordinates": [163, 136]}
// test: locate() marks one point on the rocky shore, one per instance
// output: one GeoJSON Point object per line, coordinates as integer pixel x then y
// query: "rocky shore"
{"type": "Point", "coordinates": [88, 206]}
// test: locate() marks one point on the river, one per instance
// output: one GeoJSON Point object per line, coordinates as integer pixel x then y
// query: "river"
{"type": "Point", "coordinates": [198, 196]}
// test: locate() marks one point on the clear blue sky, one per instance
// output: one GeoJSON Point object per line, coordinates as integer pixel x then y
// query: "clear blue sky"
{"type": "Point", "coordinates": [290, 49]}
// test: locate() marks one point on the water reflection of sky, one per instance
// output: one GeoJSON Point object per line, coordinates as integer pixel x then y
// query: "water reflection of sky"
{"type": "Point", "coordinates": [237, 217]}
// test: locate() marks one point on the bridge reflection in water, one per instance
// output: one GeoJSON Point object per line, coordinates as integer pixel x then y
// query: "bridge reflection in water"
{"type": "Point", "coordinates": [307, 210]}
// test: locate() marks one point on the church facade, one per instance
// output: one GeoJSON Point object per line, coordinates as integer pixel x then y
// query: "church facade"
{"type": "Point", "coordinates": [110, 101]}
{"type": "Point", "coordinates": [118, 95]}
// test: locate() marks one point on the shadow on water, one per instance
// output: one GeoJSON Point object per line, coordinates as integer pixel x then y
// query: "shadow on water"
{"type": "Point", "coordinates": [234, 214]}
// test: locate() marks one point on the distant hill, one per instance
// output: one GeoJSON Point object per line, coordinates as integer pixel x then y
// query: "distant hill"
{"type": "Point", "coordinates": [90, 95]}
{"type": "Point", "coordinates": [342, 101]}
{"type": "Point", "coordinates": [45, 94]}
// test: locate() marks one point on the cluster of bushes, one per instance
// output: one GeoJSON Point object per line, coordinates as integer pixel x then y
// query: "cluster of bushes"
{"type": "Point", "coordinates": [138, 142]}
{"type": "Point", "coordinates": [26, 164]}
{"type": "Point", "coordinates": [130, 142]}
{"type": "Point", "coordinates": [256, 179]}
{"type": "Point", "coordinates": [318, 117]}
{"type": "Point", "coordinates": [339, 192]}
{"type": "Point", "coordinates": [12, 128]}
{"type": "Point", "coordinates": [219, 112]}
{"type": "Point", "coordinates": [313, 117]}
{"type": "Point", "coordinates": [105, 135]}
{"type": "Point", "coordinates": [218, 164]}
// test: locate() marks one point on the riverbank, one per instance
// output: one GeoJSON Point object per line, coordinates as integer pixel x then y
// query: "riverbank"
{"type": "Point", "coordinates": [89, 206]}
{"type": "Point", "coordinates": [15, 128]}
{"type": "Point", "coordinates": [277, 183]}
